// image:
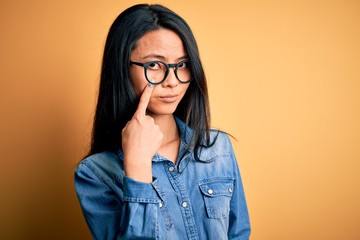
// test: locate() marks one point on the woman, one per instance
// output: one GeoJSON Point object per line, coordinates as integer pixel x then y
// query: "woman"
{"type": "Point", "coordinates": [155, 169]}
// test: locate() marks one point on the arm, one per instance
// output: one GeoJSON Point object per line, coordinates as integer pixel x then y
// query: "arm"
{"type": "Point", "coordinates": [239, 223]}
{"type": "Point", "coordinates": [115, 210]}
{"type": "Point", "coordinates": [125, 208]}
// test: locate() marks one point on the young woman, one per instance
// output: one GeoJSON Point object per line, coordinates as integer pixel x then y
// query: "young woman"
{"type": "Point", "coordinates": [155, 169]}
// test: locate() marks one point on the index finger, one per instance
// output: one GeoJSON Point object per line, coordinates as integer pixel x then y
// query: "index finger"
{"type": "Point", "coordinates": [145, 99]}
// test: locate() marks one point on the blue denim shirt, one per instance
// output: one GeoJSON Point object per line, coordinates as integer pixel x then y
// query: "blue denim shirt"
{"type": "Point", "coordinates": [191, 199]}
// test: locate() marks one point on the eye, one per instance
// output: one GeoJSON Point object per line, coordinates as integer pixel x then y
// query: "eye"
{"type": "Point", "coordinates": [183, 64]}
{"type": "Point", "coordinates": [154, 66]}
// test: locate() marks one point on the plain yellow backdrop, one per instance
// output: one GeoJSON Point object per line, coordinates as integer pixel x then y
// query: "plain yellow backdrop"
{"type": "Point", "coordinates": [284, 79]}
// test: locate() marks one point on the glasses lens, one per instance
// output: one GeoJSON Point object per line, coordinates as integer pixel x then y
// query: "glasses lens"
{"type": "Point", "coordinates": [183, 71]}
{"type": "Point", "coordinates": [155, 71]}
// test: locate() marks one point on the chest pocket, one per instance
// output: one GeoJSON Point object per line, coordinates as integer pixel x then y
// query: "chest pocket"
{"type": "Point", "coordinates": [217, 193]}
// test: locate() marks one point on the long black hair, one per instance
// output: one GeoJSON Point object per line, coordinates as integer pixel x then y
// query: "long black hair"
{"type": "Point", "coordinates": [117, 100]}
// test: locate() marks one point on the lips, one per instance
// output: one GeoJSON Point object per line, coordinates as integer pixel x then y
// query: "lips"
{"type": "Point", "coordinates": [169, 98]}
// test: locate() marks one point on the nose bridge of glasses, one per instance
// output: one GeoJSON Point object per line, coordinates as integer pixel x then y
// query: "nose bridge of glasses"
{"type": "Point", "coordinates": [174, 67]}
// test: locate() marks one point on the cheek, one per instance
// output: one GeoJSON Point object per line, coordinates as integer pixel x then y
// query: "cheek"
{"type": "Point", "coordinates": [185, 88]}
{"type": "Point", "coordinates": [138, 81]}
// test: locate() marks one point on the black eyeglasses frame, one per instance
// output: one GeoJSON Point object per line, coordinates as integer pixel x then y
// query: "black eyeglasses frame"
{"type": "Point", "coordinates": [167, 65]}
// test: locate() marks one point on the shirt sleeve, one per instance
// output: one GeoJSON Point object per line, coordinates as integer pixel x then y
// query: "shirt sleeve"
{"type": "Point", "coordinates": [239, 223]}
{"type": "Point", "coordinates": [116, 210]}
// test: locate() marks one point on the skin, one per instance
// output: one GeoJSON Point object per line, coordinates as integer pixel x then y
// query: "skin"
{"type": "Point", "coordinates": [153, 128]}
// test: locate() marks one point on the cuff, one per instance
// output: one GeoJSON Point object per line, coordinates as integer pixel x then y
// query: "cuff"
{"type": "Point", "coordinates": [135, 191]}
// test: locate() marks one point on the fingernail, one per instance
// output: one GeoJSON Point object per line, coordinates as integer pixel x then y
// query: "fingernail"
{"type": "Point", "coordinates": [151, 83]}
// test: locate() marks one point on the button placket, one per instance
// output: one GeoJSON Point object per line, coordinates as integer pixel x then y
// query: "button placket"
{"type": "Point", "coordinates": [177, 183]}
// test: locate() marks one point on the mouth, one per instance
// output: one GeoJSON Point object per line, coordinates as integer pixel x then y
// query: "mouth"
{"type": "Point", "coordinates": [169, 98]}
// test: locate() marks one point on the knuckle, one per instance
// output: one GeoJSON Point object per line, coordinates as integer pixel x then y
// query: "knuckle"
{"type": "Point", "coordinates": [137, 117]}
{"type": "Point", "coordinates": [148, 119]}
{"type": "Point", "coordinates": [151, 119]}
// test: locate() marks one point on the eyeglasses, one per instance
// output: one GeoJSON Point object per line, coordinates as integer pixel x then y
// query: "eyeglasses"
{"type": "Point", "coordinates": [157, 71]}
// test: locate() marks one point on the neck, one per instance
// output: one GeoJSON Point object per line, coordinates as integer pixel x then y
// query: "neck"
{"type": "Point", "coordinates": [167, 126]}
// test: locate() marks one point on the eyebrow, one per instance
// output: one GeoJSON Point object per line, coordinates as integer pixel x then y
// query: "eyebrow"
{"type": "Point", "coordinates": [154, 55]}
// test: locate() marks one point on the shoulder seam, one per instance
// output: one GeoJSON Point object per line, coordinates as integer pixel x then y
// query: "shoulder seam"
{"type": "Point", "coordinates": [87, 164]}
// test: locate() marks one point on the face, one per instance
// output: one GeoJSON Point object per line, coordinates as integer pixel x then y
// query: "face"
{"type": "Point", "coordinates": [166, 46]}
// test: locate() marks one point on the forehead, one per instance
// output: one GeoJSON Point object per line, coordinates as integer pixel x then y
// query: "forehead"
{"type": "Point", "coordinates": [161, 42]}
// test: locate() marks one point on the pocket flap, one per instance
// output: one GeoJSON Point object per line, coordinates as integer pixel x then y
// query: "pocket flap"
{"type": "Point", "coordinates": [217, 187]}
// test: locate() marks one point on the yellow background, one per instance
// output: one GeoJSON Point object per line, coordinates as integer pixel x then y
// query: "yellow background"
{"type": "Point", "coordinates": [284, 79]}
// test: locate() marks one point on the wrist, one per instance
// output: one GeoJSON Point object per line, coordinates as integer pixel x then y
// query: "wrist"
{"type": "Point", "coordinates": [140, 172]}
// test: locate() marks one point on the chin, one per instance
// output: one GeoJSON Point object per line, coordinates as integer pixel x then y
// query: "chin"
{"type": "Point", "coordinates": [163, 109]}
{"type": "Point", "coordinates": [162, 112]}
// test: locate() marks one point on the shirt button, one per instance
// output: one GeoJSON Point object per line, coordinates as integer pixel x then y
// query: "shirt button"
{"type": "Point", "coordinates": [184, 204]}
{"type": "Point", "coordinates": [210, 191]}
{"type": "Point", "coordinates": [171, 169]}
{"type": "Point", "coordinates": [230, 190]}
{"type": "Point", "coordinates": [160, 204]}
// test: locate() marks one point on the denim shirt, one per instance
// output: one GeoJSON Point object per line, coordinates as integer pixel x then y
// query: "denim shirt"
{"type": "Point", "coordinates": [191, 199]}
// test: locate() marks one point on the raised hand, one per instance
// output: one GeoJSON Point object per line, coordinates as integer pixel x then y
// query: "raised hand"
{"type": "Point", "coordinates": [141, 139]}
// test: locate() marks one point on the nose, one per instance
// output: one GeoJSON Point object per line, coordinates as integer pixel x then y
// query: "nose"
{"type": "Point", "coordinates": [171, 79]}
